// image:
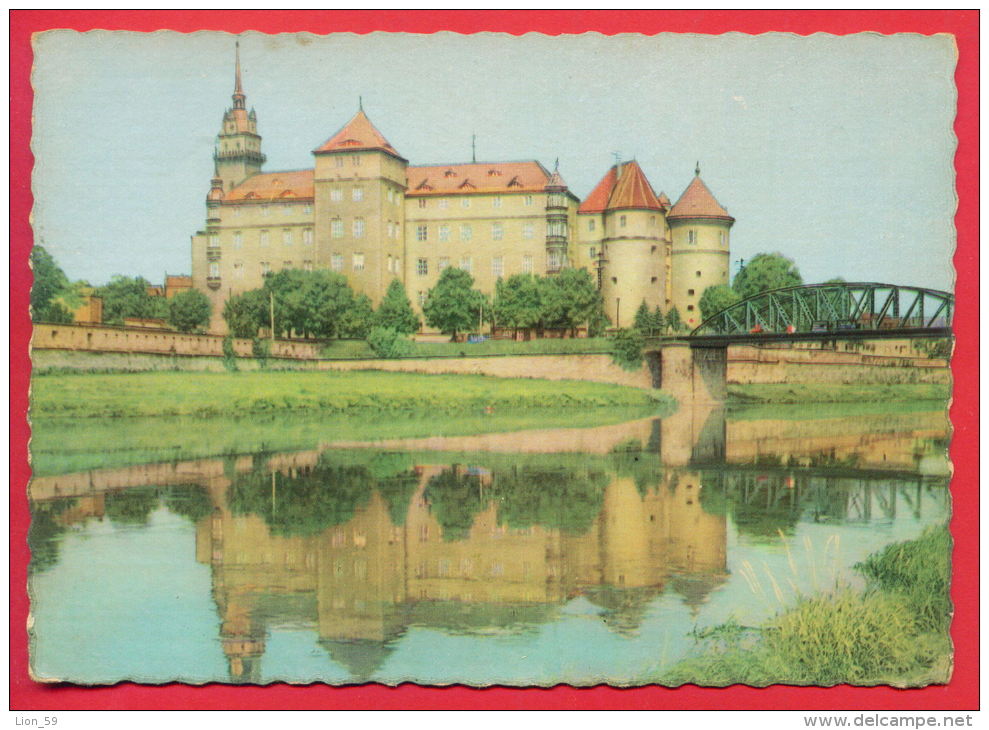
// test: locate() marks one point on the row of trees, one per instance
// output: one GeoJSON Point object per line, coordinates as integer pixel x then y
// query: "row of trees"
{"type": "Point", "coordinates": [54, 297]}
{"type": "Point", "coordinates": [765, 271]}
{"type": "Point", "coordinates": [562, 302]}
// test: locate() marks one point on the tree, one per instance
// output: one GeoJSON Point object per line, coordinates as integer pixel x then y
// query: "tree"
{"type": "Point", "coordinates": [49, 281]}
{"type": "Point", "coordinates": [386, 342]}
{"type": "Point", "coordinates": [358, 319]}
{"type": "Point", "coordinates": [658, 320]}
{"type": "Point", "coordinates": [54, 313]}
{"type": "Point", "coordinates": [246, 313]}
{"type": "Point", "coordinates": [395, 311]}
{"type": "Point", "coordinates": [626, 349]}
{"type": "Point", "coordinates": [718, 297]}
{"type": "Point", "coordinates": [570, 299]}
{"type": "Point", "coordinates": [453, 306]}
{"type": "Point", "coordinates": [673, 321]}
{"type": "Point", "coordinates": [764, 272]}
{"type": "Point", "coordinates": [643, 318]}
{"type": "Point", "coordinates": [189, 311]}
{"type": "Point", "coordinates": [128, 297]}
{"type": "Point", "coordinates": [309, 303]}
{"type": "Point", "coordinates": [518, 301]}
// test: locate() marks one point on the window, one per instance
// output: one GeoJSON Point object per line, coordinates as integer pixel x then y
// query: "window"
{"type": "Point", "coordinates": [238, 269]}
{"type": "Point", "coordinates": [339, 162]}
{"type": "Point", "coordinates": [444, 203]}
{"type": "Point", "coordinates": [307, 265]}
{"type": "Point", "coordinates": [356, 160]}
{"type": "Point", "coordinates": [358, 262]}
{"type": "Point", "coordinates": [357, 194]}
{"type": "Point", "coordinates": [265, 268]}
{"type": "Point", "coordinates": [496, 202]}
{"type": "Point", "coordinates": [692, 236]}
{"type": "Point", "coordinates": [391, 229]}
{"type": "Point", "coordinates": [421, 298]}
{"type": "Point", "coordinates": [238, 239]}
{"type": "Point", "coordinates": [336, 228]}
{"type": "Point", "coordinates": [553, 260]}
{"type": "Point", "coordinates": [263, 239]}
{"type": "Point", "coordinates": [422, 202]}
{"type": "Point", "coordinates": [336, 262]}
{"type": "Point", "coordinates": [422, 267]}
{"type": "Point", "coordinates": [527, 264]}
{"type": "Point", "coordinates": [336, 195]}
{"type": "Point", "coordinates": [690, 307]}
{"type": "Point", "coordinates": [214, 270]}
{"type": "Point", "coordinates": [466, 232]}
{"type": "Point", "coordinates": [497, 266]}
{"type": "Point", "coordinates": [286, 264]}
{"type": "Point", "coordinates": [307, 209]}
{"type": "Point", "coordinates": [466, 264]}
{"type": "Point", "coordinates": [422, 233]}
{"type": "Point", "coordinates": [497, 231]}
{"type": "Point", "coordinates": [287, 237]}
{"type": "Point", "coordinates": [214, 240]}
{"type": "Point", "coordinates": [286, 209]}
{"type": "Point", "coordinates": [652, 220]}
{"type": "Point", "coordinates": [465, 202]}
{"type": "Point", "coordinates": [690, 292]}
{"type": "Point", "coordinates": [265, 210]}
{"type": "Point", "coordinates": [698, 273]}
{"type": "Point", "coordinates": [237, 212]}
{"type": "Point", "coordinates": [528, 200]}
{"type": "Point", "coordinates": [444, 263]}
{"type": "Point", "coordinates": [721, 237]}
{"type": "Point", "coordinates": [527, 230]}
{"type": "Point", "coordinates": [358, 227]}
{"type": "Point", "coordinates": [590, 224]}
{"type": "Point", "coordinates": [592, 252]}
{"type": "Point", "coordinates": [556, 228]}
{"type": "Point", "coordinates": [621, 221]}
{"type": "Point", "coordinates": [444, 232]}
{"type": "Point", "coordinates": [307, 236]}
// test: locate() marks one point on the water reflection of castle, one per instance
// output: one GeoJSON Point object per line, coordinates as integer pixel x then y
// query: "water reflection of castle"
{"type": "Point", "coordinates": [367, 580]}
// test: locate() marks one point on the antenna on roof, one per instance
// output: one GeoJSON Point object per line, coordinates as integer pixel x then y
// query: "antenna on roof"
{"type": "Point", "coordinates": [618, 162]}
{"type": "Point", "coordinates": [473, 148]}
{"type": "Point", "coordinates": [556, 165]}
{"type": "Point", "coordinates": [697, 169]}
{"type": "Point", "coordinates": [360, 103]}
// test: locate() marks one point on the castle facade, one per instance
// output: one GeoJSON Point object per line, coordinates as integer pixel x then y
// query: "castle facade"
{"type": "Point", "coordinates": [362, 210]}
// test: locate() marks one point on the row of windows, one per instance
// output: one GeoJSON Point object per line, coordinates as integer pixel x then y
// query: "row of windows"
{"type": "Point", "coordinates": [264, 238]}
{"type": "Point", "coordinates": [553, 260]}
{"type": "Point", "coordinates": [284, 209]}
{"type": "Point", "coordinates": [465, 202]}
{"type": "Point", "coordinates": [265, 268]}
{"type": "Point", "coordinates": [444, 230]}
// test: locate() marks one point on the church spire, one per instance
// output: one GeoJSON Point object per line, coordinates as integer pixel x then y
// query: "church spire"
{"type": "Point", "coordinates": [239, 97]}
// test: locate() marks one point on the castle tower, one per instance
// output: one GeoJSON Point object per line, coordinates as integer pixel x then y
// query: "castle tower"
{"type": "Point", "coordinates": [238, 146]}
{"type": "Point", "coordinates": [624, 211]}
{"type": "Point", "coordinates": [359, 186]}
{"type": "Point", "coordinates": [699, 227]}
{"type": "Point", "coordinates": [557, 215]}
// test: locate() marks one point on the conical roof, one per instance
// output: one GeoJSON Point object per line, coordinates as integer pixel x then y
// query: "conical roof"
{"type": "Point", "coordinates": [665, 201]}
{"type": "Point", "coordinates": [358, 134]}
{"type": "Point", "coordinates": [623, 187]}
{"type": "Point", "coordinates": [556, 180]}
{"type": "Point", "coordinates": [698, 202]}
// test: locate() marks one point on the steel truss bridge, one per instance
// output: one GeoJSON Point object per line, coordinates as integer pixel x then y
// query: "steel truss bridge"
{"type": "Point", "coordinates": [844, 311]}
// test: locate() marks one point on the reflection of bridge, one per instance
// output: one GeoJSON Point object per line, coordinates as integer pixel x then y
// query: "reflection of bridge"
{"type": "Point", "coordinates": [695, 366]}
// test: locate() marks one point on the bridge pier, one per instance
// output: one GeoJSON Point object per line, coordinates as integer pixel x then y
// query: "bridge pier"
{"type": "Point", "coordinates": [691, 373]}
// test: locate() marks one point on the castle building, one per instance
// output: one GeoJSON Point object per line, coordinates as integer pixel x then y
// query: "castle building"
{"type": "Point", "coordinates": [362, 210]}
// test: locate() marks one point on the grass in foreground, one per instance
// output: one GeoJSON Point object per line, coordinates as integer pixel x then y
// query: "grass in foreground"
{"type": "Point", "coordinates": [895, 632]}
{"type": "Point", "coordinates": [359, 349]}
{"type": "Point", "coordinates": [826, 393]}
{"type": "Point", "coordinates": [211, 394]}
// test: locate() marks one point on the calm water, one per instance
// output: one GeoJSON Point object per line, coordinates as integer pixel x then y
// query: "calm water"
{"type": "Point", "coordinates": [518, 557]}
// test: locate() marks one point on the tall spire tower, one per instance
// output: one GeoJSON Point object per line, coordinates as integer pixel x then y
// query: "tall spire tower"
{"type": "Point", "coordinates": [238, 146]}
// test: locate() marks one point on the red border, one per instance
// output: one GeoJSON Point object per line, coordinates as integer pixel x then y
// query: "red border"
{"type": "Point", "coordinates": [961, 693]}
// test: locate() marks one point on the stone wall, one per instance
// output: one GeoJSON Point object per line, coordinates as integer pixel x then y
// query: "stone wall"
{"type": "Point", "coordinates": [101, 338]}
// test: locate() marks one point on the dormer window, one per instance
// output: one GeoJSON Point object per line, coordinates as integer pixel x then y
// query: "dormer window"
{"type": "Point", "coordinates": [494, 173]}
{"type": "Point", "coordinates": [450, 173]}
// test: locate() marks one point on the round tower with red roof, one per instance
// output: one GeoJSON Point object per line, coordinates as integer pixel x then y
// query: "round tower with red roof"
{"type": "Point", "coordinates": [699, 227]}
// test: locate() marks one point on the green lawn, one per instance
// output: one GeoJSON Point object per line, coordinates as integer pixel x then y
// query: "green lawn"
{"type": "Point", "coordinates": [209, 394]}
{"type": "Point", "coordinates": [359, 349]}
{"type": "Point", "coordinates": [827, 393]}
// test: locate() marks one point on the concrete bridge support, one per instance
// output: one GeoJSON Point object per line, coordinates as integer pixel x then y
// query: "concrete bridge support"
{"type": "Point", "coordinates": [690, 373]}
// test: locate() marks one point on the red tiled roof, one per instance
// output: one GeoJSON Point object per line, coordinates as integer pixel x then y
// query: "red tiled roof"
{"type": "Point", "coordinates": [274, 186]}
{"type": "Point", "coordinates": [358, 134]}
{"type": "Point", "coordinates": [664, 200]}
{"type": "Point", "coordinates": [698, 202]}
{"type": "Point", "coordinates": [477, 177]}
{"type": "Point", "coordinates": [628, 190]}
{"type": "Point", "coordinates": [179, 280]}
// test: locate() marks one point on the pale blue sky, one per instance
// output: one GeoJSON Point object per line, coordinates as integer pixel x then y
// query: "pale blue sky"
{"type": "Point", "coordinates": [836, 151]}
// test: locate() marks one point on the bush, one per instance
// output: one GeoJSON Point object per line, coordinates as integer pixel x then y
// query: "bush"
{"type": "Point", "coordinates": [386, 342]}
{"type": "Point", "coordinates": [626, 349]}
{"type": "Point", "coordinates": [261, 350]}
{"type": "Point", "coordinates": [229, 354]}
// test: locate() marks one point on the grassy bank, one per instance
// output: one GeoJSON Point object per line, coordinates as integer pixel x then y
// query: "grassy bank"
{"type": "Point", "coordinates": [359, 349]}
{"type": "Point", "coordinates": [894, 632]}
{"type": "Point", "coordinates": [827, 393]}
{"type": "Point", "coordinates": [211, 394]}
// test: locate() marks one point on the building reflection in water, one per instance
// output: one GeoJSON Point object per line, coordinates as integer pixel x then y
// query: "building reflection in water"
{"type": "Point", "coordinates": [363, 544]}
